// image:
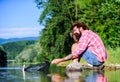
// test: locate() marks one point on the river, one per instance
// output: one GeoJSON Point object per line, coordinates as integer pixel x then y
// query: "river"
{"type": "Point", "coordinates": [57, 74]}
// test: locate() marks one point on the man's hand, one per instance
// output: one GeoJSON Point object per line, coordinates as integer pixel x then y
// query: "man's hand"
{"type": "Point", "coordinates": [56, 61]}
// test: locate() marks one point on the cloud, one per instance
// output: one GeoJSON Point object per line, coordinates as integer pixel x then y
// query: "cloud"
{"type": "Point", "coordinates": [20, 32]}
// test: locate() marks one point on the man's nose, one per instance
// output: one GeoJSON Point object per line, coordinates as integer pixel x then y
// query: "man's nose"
{"type": "Point", "coordinates": [74, 32]}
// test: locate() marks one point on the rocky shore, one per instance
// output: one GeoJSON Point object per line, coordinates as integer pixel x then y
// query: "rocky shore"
{"type": "Point", "coordinates": [103, 67]}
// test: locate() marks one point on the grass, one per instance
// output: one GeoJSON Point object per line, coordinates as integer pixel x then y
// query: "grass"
{"type": "Point", "coordinates": [113, 57]}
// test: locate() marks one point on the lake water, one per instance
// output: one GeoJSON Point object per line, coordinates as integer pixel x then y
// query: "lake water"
{"type": "Point", "coordinates": [57, 74]}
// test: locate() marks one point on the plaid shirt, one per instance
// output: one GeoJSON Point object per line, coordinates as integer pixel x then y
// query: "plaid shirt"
{"type": "Point", "coordinates": [90, 40]}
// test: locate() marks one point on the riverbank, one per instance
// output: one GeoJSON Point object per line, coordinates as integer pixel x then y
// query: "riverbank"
{"type": "Point", "coordinates": [112, 62]}
{"type": "Point", "coordinates": [85, 65]}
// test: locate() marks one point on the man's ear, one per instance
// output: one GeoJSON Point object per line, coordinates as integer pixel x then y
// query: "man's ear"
{"type": "Point", "coordinates": [80, 28]}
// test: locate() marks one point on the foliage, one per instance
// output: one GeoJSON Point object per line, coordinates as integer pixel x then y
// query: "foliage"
{"type": "Point", "coordinates": [14, 48]}
{"type": "Point", "coordinates": [29, 54]}
{"type": "Point", "coordinates": [56, 34]}
{"type": "Point", "coordinates": [3, 57]}
{"type": "Point", "coordinates": [114, 56]}
{"type": "Point", "coordinates": [101, 16]}
{"type": "Point", "coordinates": [1, 48]}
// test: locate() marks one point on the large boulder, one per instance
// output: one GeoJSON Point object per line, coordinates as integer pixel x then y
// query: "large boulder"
{"type": "Point", "coordinates": [38, 67]}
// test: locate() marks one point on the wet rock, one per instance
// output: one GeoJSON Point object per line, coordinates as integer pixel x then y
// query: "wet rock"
{"type": "Point", "coordinates": [103, 67]}
{"type": "Point", "coordinates": [38, 67]}
{"type": "Point", "coordinates": [74, 66]}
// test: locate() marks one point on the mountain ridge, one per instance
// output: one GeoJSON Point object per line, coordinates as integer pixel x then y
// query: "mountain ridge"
{"type": "Point", "coordinates": [3, 41]}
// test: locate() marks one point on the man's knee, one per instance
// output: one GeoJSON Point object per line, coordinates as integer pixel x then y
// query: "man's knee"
{"type": "Point", "coordinates": [74, 46]}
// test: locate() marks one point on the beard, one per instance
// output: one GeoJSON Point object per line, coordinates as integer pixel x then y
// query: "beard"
{"type": "Point", "coordinates": [77, 36]}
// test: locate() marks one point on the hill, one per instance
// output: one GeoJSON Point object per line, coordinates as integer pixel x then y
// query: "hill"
{"type": "Point", "coordinates": [3, 41]}
{"type": "Point", "coordinates": [14, 48]}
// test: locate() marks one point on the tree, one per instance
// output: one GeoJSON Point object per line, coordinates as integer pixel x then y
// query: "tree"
{"type": "Point", "coordinates": [101, 16]}
{"type": "Point", "coordinates": [55, 40]}
{"type": "Point", "coordinates": [3, 57]}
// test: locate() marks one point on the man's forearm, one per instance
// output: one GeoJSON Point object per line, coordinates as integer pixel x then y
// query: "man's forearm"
{"type": "Point", "coordinates": [68, 57]}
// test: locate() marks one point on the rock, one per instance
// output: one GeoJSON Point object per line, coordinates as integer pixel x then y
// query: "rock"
{"type": "Point", "coordinates": [38, 67]}
{"type": "Point", "coordinates": [74, 66]}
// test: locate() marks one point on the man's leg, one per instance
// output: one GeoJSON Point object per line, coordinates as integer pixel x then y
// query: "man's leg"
{"type": "Point", "coordinates": [88, 56]}
{"type": "Point", "coordinates": [91, 58]}
{"type": "Point", "coordinates": [73, 48]}
{"type": "Point", "coordinates": [75, 65]}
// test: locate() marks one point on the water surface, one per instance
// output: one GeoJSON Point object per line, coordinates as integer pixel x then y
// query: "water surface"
{"type": "Point", "coordinates": [57, 74]}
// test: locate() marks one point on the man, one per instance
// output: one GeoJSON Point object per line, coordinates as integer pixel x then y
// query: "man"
{"type": "Point", "coordinates": [89, 46]}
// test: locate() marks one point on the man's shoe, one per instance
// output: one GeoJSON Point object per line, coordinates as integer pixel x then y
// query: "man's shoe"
{"type": "Point", "coordinates": [101, 67]}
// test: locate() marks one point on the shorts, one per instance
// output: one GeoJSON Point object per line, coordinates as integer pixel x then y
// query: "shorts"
{"type": "Point", "coordinates": [91, 58]}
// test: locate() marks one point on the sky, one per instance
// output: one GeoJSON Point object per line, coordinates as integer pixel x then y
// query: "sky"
{"type": "Point", "coordinates": [19, 18]}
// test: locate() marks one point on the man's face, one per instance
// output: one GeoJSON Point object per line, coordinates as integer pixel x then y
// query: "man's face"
{"type": "Point", "coordinates": [76, 30]}
{"type": "Point", "coordinates": [77, 33]}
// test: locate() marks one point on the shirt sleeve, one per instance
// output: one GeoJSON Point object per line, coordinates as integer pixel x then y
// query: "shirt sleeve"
{"type": "Point", "coordinates": [82, 46]}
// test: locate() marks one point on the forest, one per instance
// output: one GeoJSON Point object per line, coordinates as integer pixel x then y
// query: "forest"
{"type": "Point", "coordinates": [101, 16]}
{"type": "Point", "coordinates": [13, 49]}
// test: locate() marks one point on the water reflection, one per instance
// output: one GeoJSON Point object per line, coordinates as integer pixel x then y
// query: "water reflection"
{"type": "Point", "coordinates": [76, 76]}
{"type": "Point", "coordinates": [5, 75]}
{"type": "Point", "coordinates": [96, 76]}
{"type": "Point", "coordinates": [23, 71]}
{"type": "Point", "coordinates": [57, 78]}
{"type": "Point", "coordinates": [15, 74]}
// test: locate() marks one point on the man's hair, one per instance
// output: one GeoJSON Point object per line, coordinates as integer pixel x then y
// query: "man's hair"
{"type": "Point", "coordinates": [78, 25]}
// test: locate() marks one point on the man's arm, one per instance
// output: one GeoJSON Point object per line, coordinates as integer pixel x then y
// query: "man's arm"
{"type": "Point", "coordinates": [56, 61]}
{"type": "Point", "coordinates": [68, 57]}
